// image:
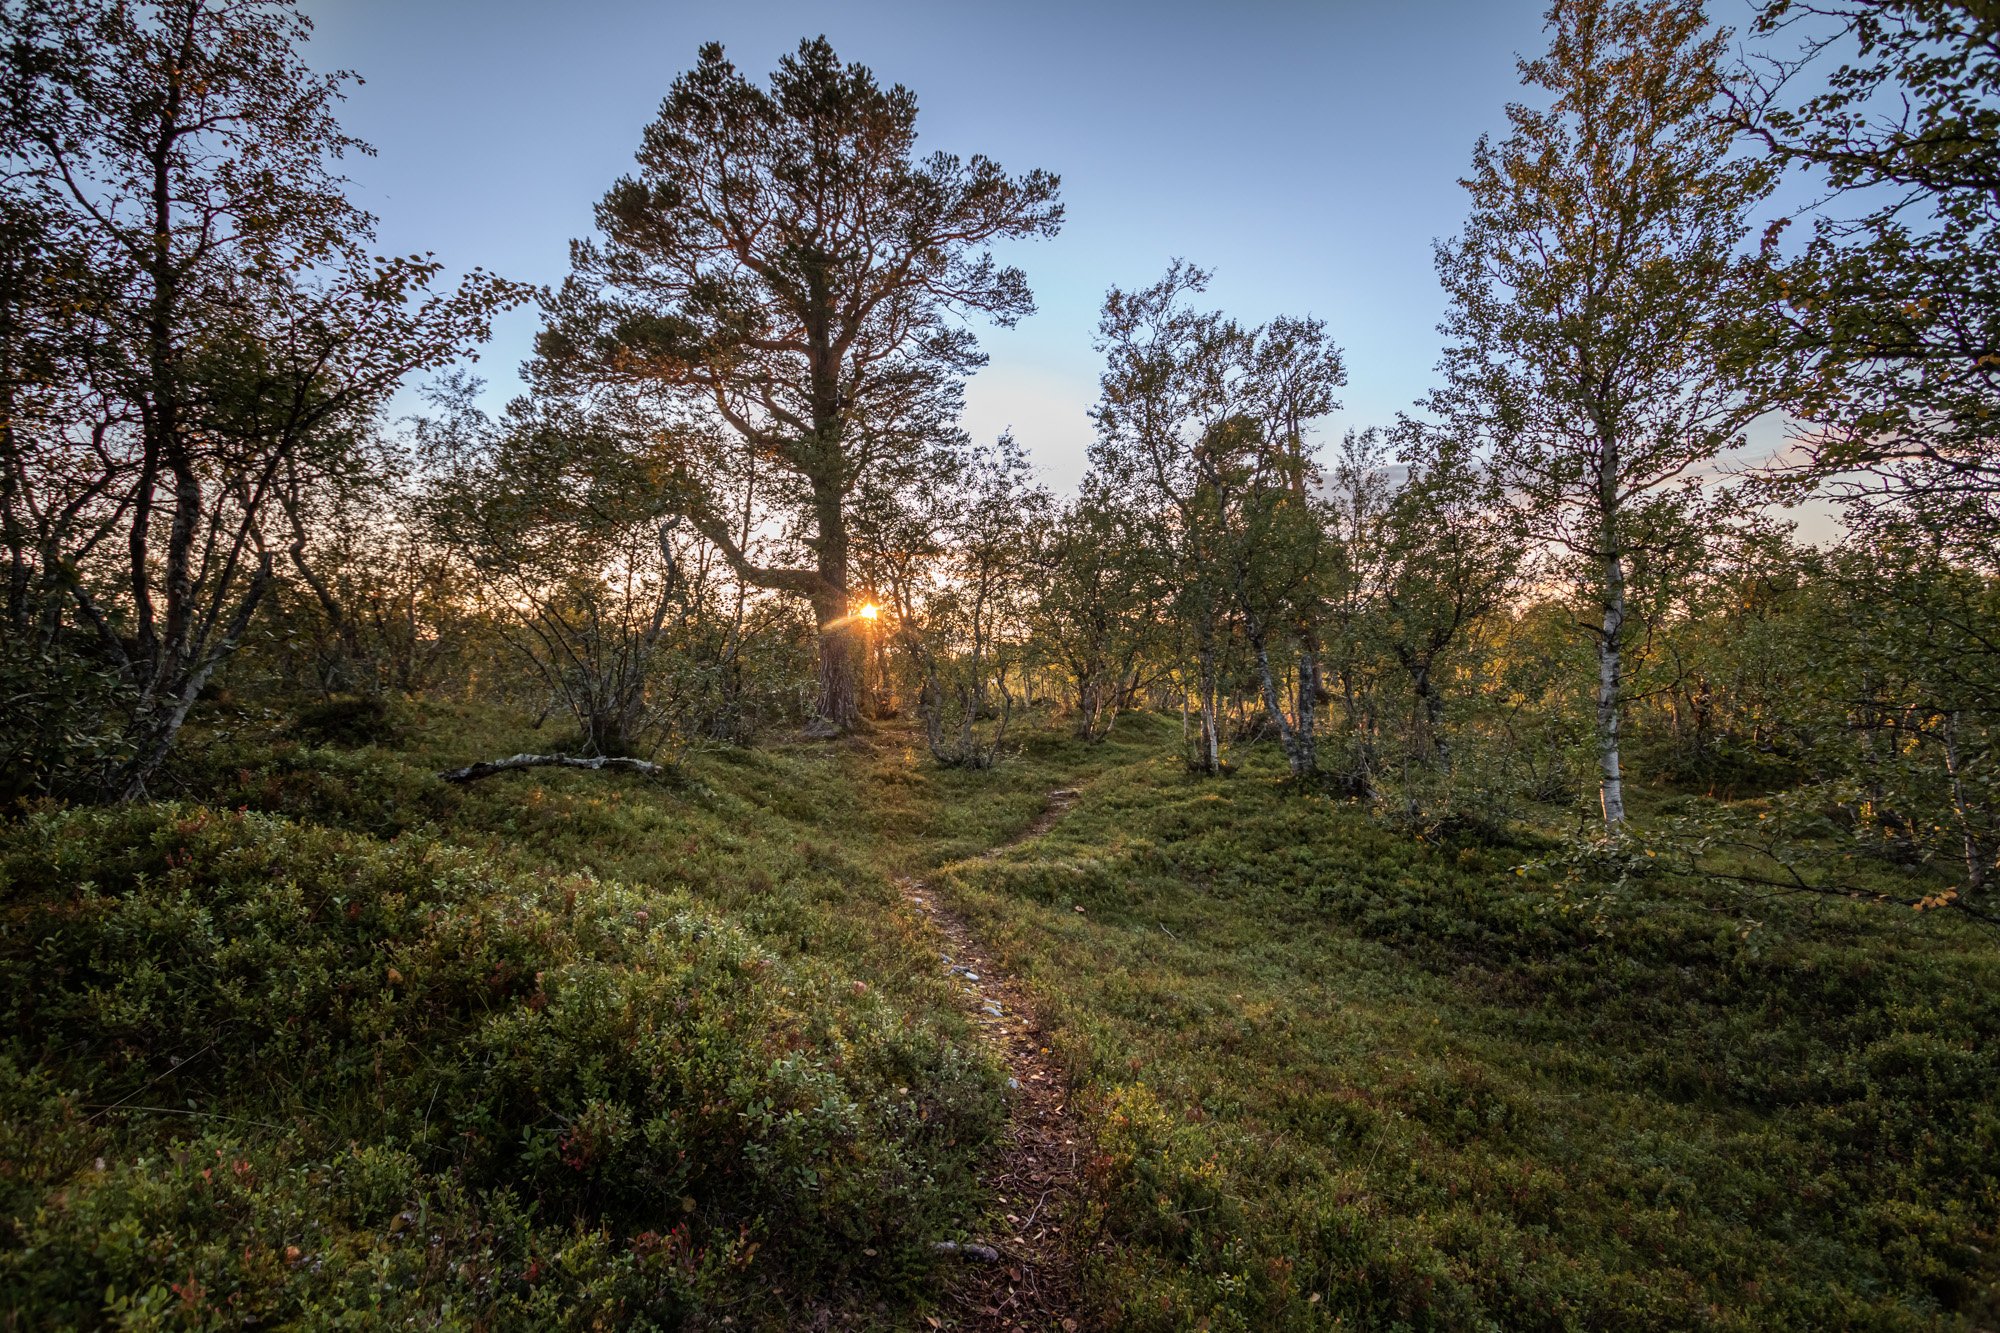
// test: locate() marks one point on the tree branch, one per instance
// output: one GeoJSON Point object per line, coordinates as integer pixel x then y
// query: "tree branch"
{"type": "Point", "coordinates": [474, 772]}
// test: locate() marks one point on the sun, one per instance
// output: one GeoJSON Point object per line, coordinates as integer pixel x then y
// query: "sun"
{"type": "Point", "coordinates": [869, 611]}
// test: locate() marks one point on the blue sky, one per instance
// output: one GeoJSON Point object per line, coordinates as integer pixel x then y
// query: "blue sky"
{"type": "Point", "coordinates": [1306, 152]}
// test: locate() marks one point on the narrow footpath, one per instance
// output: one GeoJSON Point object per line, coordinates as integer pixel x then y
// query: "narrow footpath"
{"type": "Point", "coordinates": [1024, 1274]}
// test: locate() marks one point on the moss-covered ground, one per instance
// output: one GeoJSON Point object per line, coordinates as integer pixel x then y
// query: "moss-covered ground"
{"type": "Point", "coordinates": [324, 1041]}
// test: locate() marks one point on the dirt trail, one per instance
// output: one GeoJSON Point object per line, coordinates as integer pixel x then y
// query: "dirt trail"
{"type": "Point", "coordinates": [1023, 1276]}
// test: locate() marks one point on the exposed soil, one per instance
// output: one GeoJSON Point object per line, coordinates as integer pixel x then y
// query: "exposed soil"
{"type": "Point", "coordinates": [1024, 1274]}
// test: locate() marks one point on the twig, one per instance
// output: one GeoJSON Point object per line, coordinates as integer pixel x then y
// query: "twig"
{"type": "Point", "coordinates": [170, 1069]}
{"type": "Point", "coordinates": [200, 1115]}
{"type": "Point", "coordinates": [1797, 883]}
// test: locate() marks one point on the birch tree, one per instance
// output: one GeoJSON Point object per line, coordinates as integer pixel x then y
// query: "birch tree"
{"type": "Point", "coordinates": [1200, 429]}
{"type": "Point", "coordinates": [194, 330]}
{"type": "Point", "coordinates": [963, 634]}
{"type": "Point", "coordinates": [1594, 291]}
{"type": "Point", "coordinates": [1450, 559]}
{"type": "Point", "coordinates": [1891, 314]}
{"type": "Point", "coordinates": [1098, 609]}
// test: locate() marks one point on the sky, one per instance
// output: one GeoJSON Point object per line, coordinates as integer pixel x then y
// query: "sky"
{"type": "Point", "coordinates": [1307, 151]}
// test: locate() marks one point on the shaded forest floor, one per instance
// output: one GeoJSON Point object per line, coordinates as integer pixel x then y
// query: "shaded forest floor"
{"type": "Point", "coordinates": [326, 1038]}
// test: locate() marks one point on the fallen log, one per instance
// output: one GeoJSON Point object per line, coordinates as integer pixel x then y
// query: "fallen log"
{"type": "Point", "coordinates": [474, 772]}
{"type": "Point", "coordinates": [970, 1249]}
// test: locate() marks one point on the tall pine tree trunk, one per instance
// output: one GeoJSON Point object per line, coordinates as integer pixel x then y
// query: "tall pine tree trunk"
{"type": "Point", "coordinates": [840, 645]}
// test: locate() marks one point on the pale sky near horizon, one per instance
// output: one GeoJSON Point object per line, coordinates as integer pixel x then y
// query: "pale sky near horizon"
{"type": "Point", "coordinates": [1308, 153]}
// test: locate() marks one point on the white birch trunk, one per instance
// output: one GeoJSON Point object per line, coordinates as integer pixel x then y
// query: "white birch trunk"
{"type": "Point", "coordinates": [1610, 665]}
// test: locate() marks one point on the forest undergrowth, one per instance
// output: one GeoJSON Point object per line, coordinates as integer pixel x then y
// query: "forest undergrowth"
{"type": "Point", "coordinates": [325, 1039]}
{"type": "Point", "coordinates": [1346, 1077]}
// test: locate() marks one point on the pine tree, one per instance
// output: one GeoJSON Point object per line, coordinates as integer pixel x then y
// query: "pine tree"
{"type": "Point", "coordinates": [786, 268]}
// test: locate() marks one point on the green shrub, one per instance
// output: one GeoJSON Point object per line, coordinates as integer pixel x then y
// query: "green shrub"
{"type": "Point", "coordinates": [60, 721]}
{"type": "Point", "coordinates": [263, 1069]}
{"type": "Point", "coordinates": [365, 791]}
{"type": "Point", "coordinates": [352, 719]}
